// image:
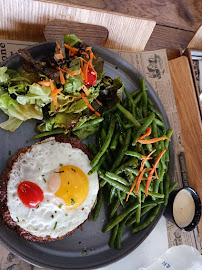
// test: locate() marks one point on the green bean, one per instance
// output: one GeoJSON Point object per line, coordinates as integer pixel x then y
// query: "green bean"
{"type": "Point", "coordinates": [150, 193]}
{"type": "Point", "coordinates": [128, 115]}
{"type": "Point", "coordinates": [121, 139]}
{"type": "Point", "coordinates": [131, 102]}
{"type": "Point", "coordinates": [106, 143]}
{"type": "Point", "coordinates": [109, 111]}
{"type": "Point", "coordinates": [138, 211]}
{"type": "Point", "coordinates": [156, 112]}
{"type": "Point", "coordinates": [49, 133]}
{"type": "Point", "coordinates": [112, 194]}
{"type": "Point", "coordinates": [148, 145]}
{"type": "Point", "coordinates": [137, 155]}
{"type": "Point", "coordinates": [115, 183]}
{"type": "Point", "coordinates": [160, 178]}
{"type": "Point", "coordinates": [122, 151]}
{"type": "Point", "coordinates": [113, 235]}
{"type": "Point", "coordinates": [120, 198]}
{"type": "Point", "coordinates": [117, 178]}
{"type": "Point", "coordinates": [159, 122]}
{"type": "Point", "coordinates": [114, 208]}
{"type": "Point", "coordinates": [120, 217]}
{"type": "Point", "coordinates": [92, 148]}
{"type": "Point", "coordinates": [134, 171]}
{"type": "Point", "coordinates": [135, 93]}
{"type": "Point", "coordinates": [143, 197]}
{"type": "Point", "coordinates": [97, 208]}
{"type": "Point", "coordinates": [147, 221]}
{"type": "Point", "coordinates": [96, 167]}
{"type": "Point", "coordinates": [115, 140]}
{"type": "Point", "coordinates": [137, 99]}
{"type": "Point", "coordinates": [155, 134]}
{"type": "Point", "coordinates": [171, 188]}
{"type": "Point", "coordinates": [161, 187]}
{"type": "Point", "coordinates": [120, 231]}
{"type": "Point", "coordinates": [89, 123]}
{"type": "Point", "coordinates": [132, 162]}
{"type": "Point", "coordinates": [144, 211]}
{"type": "Point", "coordinates": [168, 134]}
{"type": "Point", "coordinates": [148, 121]}
{"type": "Point", "coordinates": [144, 98]}
{"type": "Point", "coordinates": [128, 125]}
{"type": "Point", "coordinates": [166, 188]}
{"type": "Point", "coordinates": [149, 203]}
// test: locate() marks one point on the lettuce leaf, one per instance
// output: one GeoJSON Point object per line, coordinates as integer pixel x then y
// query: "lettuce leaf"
{"type": "Point", "coordinates": [73, 86]}
{"type": "Point", "coordinates": [66, 120]}
{"type": "Point", "coordinates": [71, 40]}
{"type": "Point", "coordinates": [40, 95]}
{"type": "Point", "coordinates": [4, 77]}
{"type": "Point", "coordinates": [15, 110]}
{"type": "Point", "coordinates": [11, 124]}
{"type": "Point", "coordinates": [83, 133]}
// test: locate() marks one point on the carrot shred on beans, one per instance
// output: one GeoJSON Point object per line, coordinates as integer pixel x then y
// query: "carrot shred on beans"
{"type": "Point", "coordinates": [133, 185]}
{"type": "Point", "coordinates": [139, 179]}
{"type": "Point", "coordinates": [152, 172]}
{"type": "Point", "coordinates": [146, 134]}
{"type": "Point", "coordinates": [153, 140]}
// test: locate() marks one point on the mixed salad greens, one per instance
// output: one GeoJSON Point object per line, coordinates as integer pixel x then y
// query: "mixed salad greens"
{"type": "Point", "coordinates": [67, 90]}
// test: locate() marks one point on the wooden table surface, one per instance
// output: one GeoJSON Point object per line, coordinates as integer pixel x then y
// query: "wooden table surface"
{"type": "Point", "coordinates": [177, 20]}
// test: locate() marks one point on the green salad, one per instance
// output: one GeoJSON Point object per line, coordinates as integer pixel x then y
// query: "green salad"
{"type": "Point", "coordinates": [67, 91]}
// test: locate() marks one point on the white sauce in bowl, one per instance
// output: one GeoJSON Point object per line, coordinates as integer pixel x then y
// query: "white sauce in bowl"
{"type": "Point", "coordinates": [183, 208]}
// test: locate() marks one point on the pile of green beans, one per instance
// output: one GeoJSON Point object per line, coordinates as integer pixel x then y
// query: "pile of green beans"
{"type": "Point", "coordinates": [118, 158]}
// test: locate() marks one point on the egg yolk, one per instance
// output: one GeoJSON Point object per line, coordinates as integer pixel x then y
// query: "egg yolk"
{"type": "Point", "coordinates": [74, 186]}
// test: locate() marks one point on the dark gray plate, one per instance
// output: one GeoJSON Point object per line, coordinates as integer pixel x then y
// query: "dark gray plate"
{"type": "Point", "coordinates": [87, 247]}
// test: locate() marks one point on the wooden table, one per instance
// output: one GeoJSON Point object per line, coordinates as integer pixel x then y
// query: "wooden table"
{"type": "Point", "coordinates": [177, 20]}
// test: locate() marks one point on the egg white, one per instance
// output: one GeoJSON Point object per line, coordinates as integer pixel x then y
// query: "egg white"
{"type": "Point", "coordinates": [36, 165]}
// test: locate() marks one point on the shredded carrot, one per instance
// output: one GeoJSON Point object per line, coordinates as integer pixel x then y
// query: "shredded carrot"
{"type": "Point", "coordinates": [153, 140]}
{"type": "Point", "coordinates": [60, 56]}
{"type": "Point", "coordinates": [73, 73]}
{"type": "Point", "coordinates": [85, 89]}
{"type": "Point", "coordinates": [54, 97]}
{"type": "Point", "coordinates": [156, 175]}
{"type": "Point", "coordinates": [152, 172]}
{"type": "Point", "coordinates": [97, 114]}
{"type": "Point", "coordinates": [82, 75]}
{"type": "Point", "coordinates": [89, 105]}
{"type": "Point", "coordinates": [35, 85]}
{"type": "Point", "coordinates": [87, 102]}
{"type": "Point", "coordinates": [44, 83]}
{"type": "Point", "coordinates": [98, 102]}
{"type": "Point", "coordinates": [143, 157]}
{"type": "Point", "coordinates": [85, 72]}
{"type": "Point", "coordinates": [143, 162]}
{"type": "Point", "coordinates": [133, 185]}
{"type": "Point", "coordinates": [62, 79]}
{"type": "Point", "coordinates": [57, 91]}
{"type": "Point", "coordinates": [139, 179]}
{"type": "Point", "coordinates": [146, 134]}
{"type": "Point", "coordinates": [85, 54]}
{"type": "Point", "coordinates": [72, 50]}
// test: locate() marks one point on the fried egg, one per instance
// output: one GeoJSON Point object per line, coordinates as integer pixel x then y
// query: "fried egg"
{"type": "Point", "coordinates": [69, 193]}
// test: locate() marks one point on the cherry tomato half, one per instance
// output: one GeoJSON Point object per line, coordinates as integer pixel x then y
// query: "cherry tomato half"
{"type": "Point", "coordinates": [30, 194]}
{"type": "Point", "coordinates": [92, 77]}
